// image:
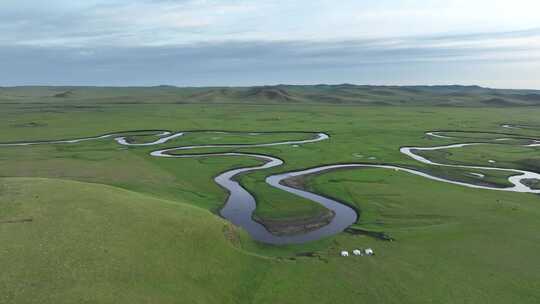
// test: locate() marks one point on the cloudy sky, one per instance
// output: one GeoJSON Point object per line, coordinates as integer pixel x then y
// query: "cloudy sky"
{"type": "Point", "coordinates": [492, 43]}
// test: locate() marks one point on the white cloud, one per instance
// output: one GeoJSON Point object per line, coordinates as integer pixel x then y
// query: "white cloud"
{"type": "Point", "coordinates": [296, 35]}
{"type": "Point", "coordinates": [137, 23]}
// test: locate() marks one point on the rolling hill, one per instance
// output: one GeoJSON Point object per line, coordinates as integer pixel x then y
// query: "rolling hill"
{"type": "Point", "coordinates": [346, 94]}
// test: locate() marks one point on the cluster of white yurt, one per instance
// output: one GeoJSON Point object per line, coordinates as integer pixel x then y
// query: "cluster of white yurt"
{"type": "Point", "coordinates": [358, 252]}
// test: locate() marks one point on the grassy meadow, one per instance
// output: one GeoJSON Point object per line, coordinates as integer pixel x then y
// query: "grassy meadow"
{"type": "Point", "coordinates": [96, 222]}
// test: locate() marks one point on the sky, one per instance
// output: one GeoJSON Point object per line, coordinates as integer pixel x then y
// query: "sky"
{"type": "Point", "coordinates": [493, 43]}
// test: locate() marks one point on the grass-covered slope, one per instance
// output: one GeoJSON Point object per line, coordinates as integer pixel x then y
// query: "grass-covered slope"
{"type": "Point", "coordinates": [71, 242]}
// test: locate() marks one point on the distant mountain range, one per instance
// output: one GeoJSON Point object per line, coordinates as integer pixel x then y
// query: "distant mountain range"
{"type": "Point", "coordinates": [343, 94]}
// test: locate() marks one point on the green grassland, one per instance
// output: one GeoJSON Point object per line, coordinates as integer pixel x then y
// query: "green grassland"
{"type": "Point", "coordinates": [96, 222]}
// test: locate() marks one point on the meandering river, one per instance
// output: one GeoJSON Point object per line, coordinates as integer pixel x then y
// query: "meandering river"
{"type": "Point", "coordinates": [241, 204]}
